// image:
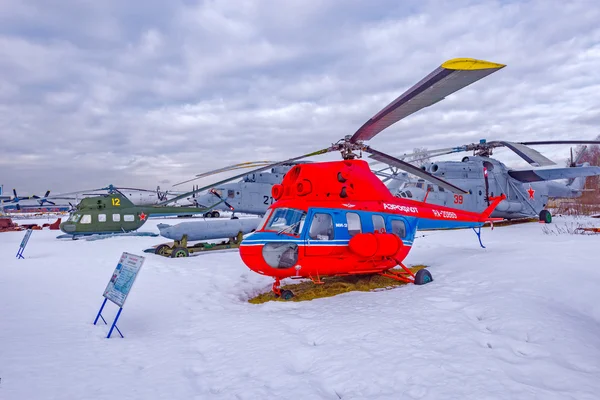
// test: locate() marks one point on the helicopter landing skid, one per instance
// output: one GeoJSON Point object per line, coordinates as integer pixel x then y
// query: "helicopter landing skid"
{"type": "Point", "coordinates": [478, 233]}
{"type": "Point", "coordinates": [405, 275]}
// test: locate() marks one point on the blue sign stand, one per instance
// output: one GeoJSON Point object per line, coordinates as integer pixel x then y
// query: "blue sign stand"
{"type": "Point", "coordinates": [114, 324]}
{"type": "Point", "coordinates": [24, 244]}
{"type": "Point", "coordinates": [119, 286]}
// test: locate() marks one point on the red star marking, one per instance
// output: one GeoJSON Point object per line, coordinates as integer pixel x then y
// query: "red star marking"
{"type": "Point", "coordinates": [531, 192]}
{"type": "Point", "coordinates": [143, 216]}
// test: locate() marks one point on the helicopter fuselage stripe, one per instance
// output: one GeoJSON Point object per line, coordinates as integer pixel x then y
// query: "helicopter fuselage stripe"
{"type": "Point", "coordinates": [263, 242]}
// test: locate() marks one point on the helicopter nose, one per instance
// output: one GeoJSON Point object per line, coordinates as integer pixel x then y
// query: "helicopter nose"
{"type": "Point", "coordinates": [67, 227]}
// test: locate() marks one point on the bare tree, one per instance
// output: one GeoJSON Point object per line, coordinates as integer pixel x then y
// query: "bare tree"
{"type": "Point", "coordinates": [419, 157]}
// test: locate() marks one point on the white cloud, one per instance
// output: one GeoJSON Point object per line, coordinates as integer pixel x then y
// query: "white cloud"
{"type": "Point", "coordinates": [136, 93]}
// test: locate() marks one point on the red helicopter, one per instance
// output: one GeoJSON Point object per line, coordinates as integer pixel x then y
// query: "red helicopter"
{"type": "Point", "coordinates": [338, 218]}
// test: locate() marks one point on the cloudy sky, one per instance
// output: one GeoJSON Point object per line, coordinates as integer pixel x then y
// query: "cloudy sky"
{"type": "Point", "coordinates": [152, 92]}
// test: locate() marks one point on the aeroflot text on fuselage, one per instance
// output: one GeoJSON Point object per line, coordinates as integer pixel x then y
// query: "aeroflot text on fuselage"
{"type": "Point", "coordinates": [397, 207]}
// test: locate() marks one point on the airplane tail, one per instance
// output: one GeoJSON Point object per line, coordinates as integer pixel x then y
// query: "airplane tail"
{"type": "Point", "coordinates": [577, 184]}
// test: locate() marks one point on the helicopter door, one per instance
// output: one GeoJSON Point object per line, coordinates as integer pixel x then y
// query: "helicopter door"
{"type": "Point", "coordinates": [320, 235]}
{"type": "Point", "coordinates": [479, 198]}
{"type": "Point", "coordinates": [255, 202]}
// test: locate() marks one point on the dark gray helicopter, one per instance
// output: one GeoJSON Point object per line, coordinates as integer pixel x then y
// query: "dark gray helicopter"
{"type": "Point", "coordinates": [527, 190]}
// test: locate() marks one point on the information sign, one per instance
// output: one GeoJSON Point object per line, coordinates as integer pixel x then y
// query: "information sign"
{"type": "Point", "coordinates": [119, 286]}
{"type": "Point", "coordinates": [24, 243]}
{"type": "Point", "coordinates": [122, 278]}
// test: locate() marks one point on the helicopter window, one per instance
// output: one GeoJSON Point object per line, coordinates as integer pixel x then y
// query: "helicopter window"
{"type": "Point", "coordinates": [289, 220]}
{"type": "Point", "coordinates": [116, 217]}
{"type": "Point", "coordinates": [441, 189]}
{"type": "Point", "coordinates": [128, 218]}
{"type": "Point", "coordinates": [321, 227]}
{"type": "Point", "coordinates": [430, 188]}
{"type": "Point", "coordinates": [75, 218]}
{"type": "Point", "coordinates": [398, 228]}
{"type": "Point", "coordinates": [86, 219]}
{"type": "Point", "coordinates": [353, 220]}
{"type": "Point", "coordinates": [230, 193]}
{"type": "Point", "coordinates": [264, 220]}
{"type": "Point", "coordinates": [480, 192]}
{"type": "Point", "coordinates": [101, 217]}
{"type": "Point", "coordinates": [419, 185]}
{"type": "Point", "coordinates": [409, 194]}
{"type": "Point", "coordinates": [378, 223]}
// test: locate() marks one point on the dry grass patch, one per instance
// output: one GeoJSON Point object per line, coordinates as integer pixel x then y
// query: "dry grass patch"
{"type": "Point", "coordinates": [333, 286]}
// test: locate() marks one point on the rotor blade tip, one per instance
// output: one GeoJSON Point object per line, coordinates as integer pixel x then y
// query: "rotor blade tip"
{"type": "Point", "coordinates": [470, 64]}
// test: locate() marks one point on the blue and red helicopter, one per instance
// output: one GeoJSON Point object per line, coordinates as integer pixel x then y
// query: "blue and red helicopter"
{"type": "Point", "coordinates": [338, 218]}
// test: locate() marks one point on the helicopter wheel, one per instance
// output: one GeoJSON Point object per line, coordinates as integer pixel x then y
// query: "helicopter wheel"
{"type": "Point", "coordinates": [161, 249]}
{"type": "Point", "coordinates": [215, 214]}
{"type": "Point", "coordinates": [422, 277]}
{"type": "Point", "coordinates": [179, 252]}
{"type": "Point", "coordinates": [287, 294]}
{"type": "Point", "coordinates": [208, 215]}
{"type": "Point", "coordinates": [545, 216]}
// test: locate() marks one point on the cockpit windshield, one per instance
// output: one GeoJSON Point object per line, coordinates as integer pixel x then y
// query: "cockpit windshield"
{"type": "Point", "coordinates": [74, 218]}
{"type": "Point", "coordinates": [286, 220]}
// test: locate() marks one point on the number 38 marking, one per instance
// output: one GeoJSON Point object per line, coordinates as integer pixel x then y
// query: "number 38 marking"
{"type": "Point", "coordinates": [458, 199]}
{"type": "Point", "coordinates": [116, 202]}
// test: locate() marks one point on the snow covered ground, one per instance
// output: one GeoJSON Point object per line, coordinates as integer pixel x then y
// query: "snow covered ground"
{"type": "Point", "coordinates": [517, 320]}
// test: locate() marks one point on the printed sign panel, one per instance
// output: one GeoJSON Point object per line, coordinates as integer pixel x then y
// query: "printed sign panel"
{"type": "Point", "coordinates": [123, 277]}
{"type": "Point", "coordinates": [25, 239]}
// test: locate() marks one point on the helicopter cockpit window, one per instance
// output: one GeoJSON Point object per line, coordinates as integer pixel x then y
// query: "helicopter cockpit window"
{"type": "Point", "coordinates": [86, 219]}
{"type": "Point", "coordinates": [101, 217]}
{"type": "Point", "coordinates": [409, 194]}
{"type": "Point", "coordinates": [354, 226]}
{"type": "Point", "coordinates": [128, 218]}
{"type": "Point", "coordinates": [321, 227]}
{"type": "Point", "coordinates": [116, 217]}
{"type": "Point", "coordinates": [75, 217]}
{"type": "Point", "coordinates": [378, 223]}
{"type": "Point", "coordinates": [264, 220]}
{"type": "Point", "coordinates": [398, 228]}
{"type": "Point", "coordinates": [286, 220]}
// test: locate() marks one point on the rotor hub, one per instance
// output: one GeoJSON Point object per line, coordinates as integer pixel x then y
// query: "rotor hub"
{"type": "Point", "coordinates": [348, 149]}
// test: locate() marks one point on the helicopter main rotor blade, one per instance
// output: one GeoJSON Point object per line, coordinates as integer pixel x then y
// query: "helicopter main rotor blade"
{"type": "Point", "coordinates": [561, 142]}
{"type": "Point", "coordinates": [248, 164]}
{"type": "Point", "coordinates": [533, 157]}
{"type": "Point", "coordinates": [450, 77]}
{"type": "Point", "coordinates": [183, 196]}
{"type": "Point", "coordinates": [411, 169]}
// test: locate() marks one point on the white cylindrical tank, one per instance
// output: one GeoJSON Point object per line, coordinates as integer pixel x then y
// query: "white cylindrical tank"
{"type": "Point", "coordinates": [209, 229]}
